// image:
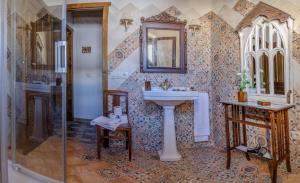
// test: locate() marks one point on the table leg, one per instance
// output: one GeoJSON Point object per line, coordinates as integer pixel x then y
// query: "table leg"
{"type": "Point", "coordinates": [245, 132]}
{"type": "Point", "coordinates": [130, 144]}
{"type": "Point", "coordinates": [273, 142]}
{"type": "Point", "coordinates": [236, 125]}
{"type": "Point", "coordinates": [99, 141]}
{"type": "Point", "coordinates": [234, 136]}
{"type": "Point", "coordinates": [227, 133]}
{"type": "Point", "coordinates": [287, 141]}
{"type": "Point", "coordinates": [274, 172]}
{"type": "Point", "coordinates": [105, 141]}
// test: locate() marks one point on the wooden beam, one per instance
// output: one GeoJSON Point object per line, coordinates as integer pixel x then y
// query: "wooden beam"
{"type": "Point", "coordinates": [250, 123]}
{"type": "Point", "coordinates": [105, 48]}
{"type": "Point", "coordinates": [81, 6]}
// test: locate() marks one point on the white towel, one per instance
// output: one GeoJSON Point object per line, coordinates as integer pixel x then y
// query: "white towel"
{"type": "Point", "coordinates": [108, 123]}
{"type": "Point", "coordinates": [201, 118]}
{"type": "Point", "coordinates": [118, 110]}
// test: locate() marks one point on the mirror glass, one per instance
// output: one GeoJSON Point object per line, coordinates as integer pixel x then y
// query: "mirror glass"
{"type": "Point", "coordinates": [253, 42]}
{"type": "Point", "coordinates": [41, 48]}
{"type": "Point", "coordinates": [260, 34]}
{"type": "Point", "coordinates": [279, 74]}
{"type": "Point", "coordinates": [163, 48]}
{"type": "Point", "coordinates": [252, 73]}
{"type": "Point", "coordinates": [275, 40]}
{"type": "Point", "coordinates": [264, 74]}
{"type": "Point", "coordinates": [44, 33]}
{"type": "Point", "coordinates": [267, 35]}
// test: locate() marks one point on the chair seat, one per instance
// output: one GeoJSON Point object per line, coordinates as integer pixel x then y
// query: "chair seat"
{"type": "Point", "coordinates": [125, 126]}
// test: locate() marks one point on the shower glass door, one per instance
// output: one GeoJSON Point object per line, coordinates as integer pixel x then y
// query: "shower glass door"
{"type": "Point", "coordinates": [36, 97]}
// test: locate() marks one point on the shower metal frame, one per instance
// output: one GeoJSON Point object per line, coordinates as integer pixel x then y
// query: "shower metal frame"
{"type": "Point", "coordinates": [3, 102]}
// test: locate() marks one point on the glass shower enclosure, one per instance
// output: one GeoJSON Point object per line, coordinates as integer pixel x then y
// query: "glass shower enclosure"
{"type": "Point", "coordinates": [33, 89]}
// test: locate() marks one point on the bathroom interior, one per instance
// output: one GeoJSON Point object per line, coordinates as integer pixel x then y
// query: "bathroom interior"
{"type": "Point", "coordinates": [210, 90]}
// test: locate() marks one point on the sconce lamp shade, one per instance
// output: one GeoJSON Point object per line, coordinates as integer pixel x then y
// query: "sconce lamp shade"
{"type": "Point", "coordinates": [194, 26]}
{"type": "Point", "coordinates": [126, 20]}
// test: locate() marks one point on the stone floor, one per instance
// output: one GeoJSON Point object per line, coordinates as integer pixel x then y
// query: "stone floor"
{"type": "Point", "coordinates": [197, 165]}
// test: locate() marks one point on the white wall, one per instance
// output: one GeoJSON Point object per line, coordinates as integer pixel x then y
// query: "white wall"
{"type": "Point", "coordinates": [87, 68]}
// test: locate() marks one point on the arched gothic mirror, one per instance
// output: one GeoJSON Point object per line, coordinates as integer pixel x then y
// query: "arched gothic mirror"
{"type": "Point", "coordinates": [265, 57]}
{"type": "Point", "coordinates": [266, 34]}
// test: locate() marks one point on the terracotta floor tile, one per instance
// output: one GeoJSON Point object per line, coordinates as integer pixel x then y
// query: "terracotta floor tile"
{"type": "Point", "coordinates": [74, 179]}
{"type": "Point", "coordinates": [73, 160]}
{"type": "Point", "coordinates": [98, 165]}
{"type": "Point", "coordinates": [123, 179]}
{"type": "Point", "coordinates": [203, 165]}
{"type": "Point", "coordinates": [91, 177]}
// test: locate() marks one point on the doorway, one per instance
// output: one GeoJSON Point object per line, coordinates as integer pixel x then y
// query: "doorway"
{"type": "Point", "coordinates": [85, 65]}
{"type": "Point", "coordinates": [87, 50]}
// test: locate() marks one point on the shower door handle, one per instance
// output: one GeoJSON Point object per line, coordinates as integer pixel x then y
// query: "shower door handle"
{"type": "Point", "coordinates": [61, 57]}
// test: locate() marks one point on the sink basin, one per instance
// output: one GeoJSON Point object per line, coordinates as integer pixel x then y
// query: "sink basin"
{"type": "Point", "coordinates": [169, 99]}
{"type": "Point", "coordinates": [38, 87]}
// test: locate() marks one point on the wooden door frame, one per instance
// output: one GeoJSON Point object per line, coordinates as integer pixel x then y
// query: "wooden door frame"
{"type": "Point", "coordinates": [104, 6]}
{"type": "Point", "coordinates": [70, 106]}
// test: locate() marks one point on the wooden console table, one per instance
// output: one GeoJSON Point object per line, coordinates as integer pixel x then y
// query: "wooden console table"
{"type": "Point", "coordinates": [275, 119]}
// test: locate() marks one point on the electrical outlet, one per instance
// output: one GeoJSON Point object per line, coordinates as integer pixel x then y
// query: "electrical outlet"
{"type": "Point", "coordinates": [295, 135]}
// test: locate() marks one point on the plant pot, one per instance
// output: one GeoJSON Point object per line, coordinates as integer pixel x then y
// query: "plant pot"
{"type": "Point", "coordinates": [242, 96]}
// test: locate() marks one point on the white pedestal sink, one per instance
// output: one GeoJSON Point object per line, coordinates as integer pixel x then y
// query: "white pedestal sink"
{"type": "Point", "coordinates": [169, 99]}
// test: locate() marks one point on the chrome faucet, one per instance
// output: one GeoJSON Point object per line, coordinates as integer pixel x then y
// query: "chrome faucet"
{"type": "Point", "coordinates": [165, 85]}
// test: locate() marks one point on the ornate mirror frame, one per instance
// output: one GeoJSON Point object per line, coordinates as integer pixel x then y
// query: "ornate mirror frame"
{"type": "Point", "coordinates": [163, 21]}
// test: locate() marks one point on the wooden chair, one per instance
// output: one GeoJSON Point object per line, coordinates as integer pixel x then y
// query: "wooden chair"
{"type": "Point", "coordinates": [103, 134]}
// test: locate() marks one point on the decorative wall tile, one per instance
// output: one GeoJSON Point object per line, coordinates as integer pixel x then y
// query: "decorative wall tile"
{"type": "Point", "coordinates": [243, 7]}
{"type": "Point", "coordinates": [225, 65]}
{"type": "Point", "coordinates": [123, 50]}
{"type": "Point", "coordinates": [296, 47]}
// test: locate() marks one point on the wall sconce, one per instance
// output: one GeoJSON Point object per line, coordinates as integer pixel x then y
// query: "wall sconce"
{"type": "Point", "coordinates": [126, 20]}
{"type": "Point", "coordinates": [194, 26]}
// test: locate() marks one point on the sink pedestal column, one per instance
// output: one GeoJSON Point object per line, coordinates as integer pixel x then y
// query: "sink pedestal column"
{"type": "Point", "coordinates": [169, 151]}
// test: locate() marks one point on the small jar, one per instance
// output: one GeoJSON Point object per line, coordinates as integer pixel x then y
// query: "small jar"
{"type": "Point", "coordinates": [147, 85]}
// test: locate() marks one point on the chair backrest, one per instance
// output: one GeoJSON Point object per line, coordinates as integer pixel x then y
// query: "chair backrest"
{"type": "Point", "coordinates": [114, 98]}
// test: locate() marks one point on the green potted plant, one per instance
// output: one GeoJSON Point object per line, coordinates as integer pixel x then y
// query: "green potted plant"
{"type": "Point", "coordinates": [252, 88]}
{"type": "Point", "coordinates": [244, 83]}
